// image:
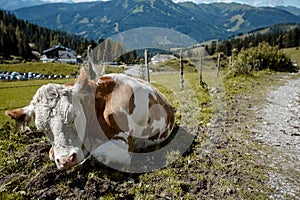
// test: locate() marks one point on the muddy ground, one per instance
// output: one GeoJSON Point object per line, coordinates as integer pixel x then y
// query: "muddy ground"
{"type": "Point", "coordinates": [252, 154]}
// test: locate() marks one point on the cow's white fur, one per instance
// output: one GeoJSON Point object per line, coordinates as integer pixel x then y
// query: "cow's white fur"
{"type": "Point", "coordinates": [80, 119]}
{"type": "Point", "coordinates": [113, 151]}
{"type": "Point", "coordinates": [54, 113]}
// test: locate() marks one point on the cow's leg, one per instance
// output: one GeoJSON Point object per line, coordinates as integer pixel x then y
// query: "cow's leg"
{"type": "Point", "coordinates": [114, 151]}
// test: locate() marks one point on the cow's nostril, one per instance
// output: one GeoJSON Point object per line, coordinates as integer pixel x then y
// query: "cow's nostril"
{"type": "Point", "coordinates": [67, 161]}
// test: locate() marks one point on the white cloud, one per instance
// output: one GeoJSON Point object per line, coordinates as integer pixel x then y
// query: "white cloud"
{"type": "Point", "coordinates": [250, 2]}
{"type": "Point", "coordinates": [57, 1]}
{"type": "Point", "coordinates": [69, 1]}
{"type": "Point", "coordinates": [78, 1]}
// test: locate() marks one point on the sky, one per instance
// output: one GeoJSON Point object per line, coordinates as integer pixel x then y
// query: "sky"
{"type": "Point", "coordinates": [295, 3]}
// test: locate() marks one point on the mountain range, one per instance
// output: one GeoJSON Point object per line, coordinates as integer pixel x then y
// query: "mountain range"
{"type": "Point", "coordinates": [16, 4]}
{"type": "Point", "coordinates": [201, 22]}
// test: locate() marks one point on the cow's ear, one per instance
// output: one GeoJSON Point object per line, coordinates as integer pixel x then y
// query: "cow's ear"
{"type": "Point", "coordinates": [17, 114]}
{"type": "Point", "coordinates": [82, 80]}
{"type": "Point", "coordinates": [21, 114]}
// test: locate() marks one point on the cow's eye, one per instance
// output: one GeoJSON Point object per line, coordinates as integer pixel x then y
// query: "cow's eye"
{"type": "Point", "coordinates": [72, 121]}
{"type": "Point", "coordinates": [53, 93]}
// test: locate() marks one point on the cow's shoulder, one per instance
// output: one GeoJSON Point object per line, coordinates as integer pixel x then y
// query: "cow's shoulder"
{"type": "Point", "coordinates": [122, 79]}
{"type": "Point", "coordinates": [115, 92]}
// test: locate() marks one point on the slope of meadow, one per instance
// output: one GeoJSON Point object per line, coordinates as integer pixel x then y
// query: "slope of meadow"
{"type": "Point", "coordinates": [225, 160]}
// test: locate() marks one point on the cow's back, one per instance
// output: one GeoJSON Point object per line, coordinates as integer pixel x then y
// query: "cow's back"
{"type": "Point", "coordinates": [132, 108]}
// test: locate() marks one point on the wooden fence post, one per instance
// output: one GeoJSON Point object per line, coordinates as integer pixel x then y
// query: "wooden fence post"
{"type": "Point", "coordinates": [200, 70]}
{"type": "Point", "coordinates": [218, 69]}
{"type": "Point", "coordinates": [147, 66]}
{"type": "Point", "coordinates": [181, 72]}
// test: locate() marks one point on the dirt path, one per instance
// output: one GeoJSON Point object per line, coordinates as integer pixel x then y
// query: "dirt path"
{"type": "Point", "coordinates": [278, 127]}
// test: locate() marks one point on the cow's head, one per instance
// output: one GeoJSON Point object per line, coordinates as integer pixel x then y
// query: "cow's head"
{"type": "Point", "coordinates": [53, 109]}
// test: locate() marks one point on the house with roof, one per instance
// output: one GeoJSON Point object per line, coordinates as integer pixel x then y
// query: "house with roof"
{"type": "Point", "coordinates": [59, 53]}
{"type": "Point", "coordinates": [161, 58]}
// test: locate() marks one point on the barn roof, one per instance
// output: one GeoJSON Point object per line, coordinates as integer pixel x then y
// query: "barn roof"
{"type": "Point", "coordinates": [59, 47]}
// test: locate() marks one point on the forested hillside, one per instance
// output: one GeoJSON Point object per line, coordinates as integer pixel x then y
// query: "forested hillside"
{"type": "Point", "coordinates": [20, 38]}
{"type": "Point", "coordinates": [281, 36]}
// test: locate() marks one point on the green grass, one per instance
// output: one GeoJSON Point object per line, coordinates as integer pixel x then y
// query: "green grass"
{"type": "Point", "coordinates": [221, 164]}
{"type": "Point", "coordinates": [294, 53]}
{"type": "Point", "coordinates": [188, 66]}
{"type": "Point", "coordinates": [17, 94]}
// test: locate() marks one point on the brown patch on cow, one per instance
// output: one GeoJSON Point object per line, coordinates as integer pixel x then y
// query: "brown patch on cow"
{"type": "Point", "coordinates": [105, 87]}
{"type": "Point", "coordinates": [120, 138]}
{"type": "Point", "coordinates": [155, 114]}
{"type": "Point", "coordinates": [17, 114]}
{"type": "Point", "coordinates": [117, 119]}
{"type": "Point", "coordinates": [148, 131]}
{"type": "Point", "coordinates": [151, 101]}
{"type": "Point", "coordinates": [119, 106]}
{"type": "Point", "coordinates": [156, 111]}
{"type": "Point", "coordinates": [130, 143]}
{"type": "Point", "coordinates": [69, 84]}
{"type": "Point", "coordinates": [131, 104]}
{"type": "Point", "coordinates": [105, 79]}
{"type": "Point", "coordinates": [123, 97]}
{"type": "Point", "coordinates": [149, 121]}
{"type": "Point", "coordinates": [109, 99]}
{"type": "Point", "coordinates": [154, 137]}
{"type": "Point", "coordinates": [159, 108]}
{"type": "Point", "coordinates": [164, 134]}
{"type": "Point", "coordinates": [170, 118]}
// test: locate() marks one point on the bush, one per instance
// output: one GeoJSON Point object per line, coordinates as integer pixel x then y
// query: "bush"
{"type": "Point", "coordinates": [262, 57]}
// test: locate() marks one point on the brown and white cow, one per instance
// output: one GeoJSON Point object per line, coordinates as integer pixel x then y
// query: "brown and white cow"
{"type": "Point", "coordinates": [107, 118]}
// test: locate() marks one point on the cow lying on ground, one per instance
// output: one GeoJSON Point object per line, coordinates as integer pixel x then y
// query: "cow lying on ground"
{"type": "Point", "coordinates": [107, 118]}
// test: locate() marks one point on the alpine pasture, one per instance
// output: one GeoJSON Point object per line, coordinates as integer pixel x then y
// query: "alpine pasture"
{"type": "Point", "coordinates": [224, 161]}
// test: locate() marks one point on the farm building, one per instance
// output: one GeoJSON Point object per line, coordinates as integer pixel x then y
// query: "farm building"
{"type": "Point", "coordinates": [59, 53]}
{"type": "Point", "coordinates": [161, 58]}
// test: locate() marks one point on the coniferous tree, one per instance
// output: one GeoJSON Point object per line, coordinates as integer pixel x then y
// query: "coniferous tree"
{"type": "Point", "coordinates": [15, 36]}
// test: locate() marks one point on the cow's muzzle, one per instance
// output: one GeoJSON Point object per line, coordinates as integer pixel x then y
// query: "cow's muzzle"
{"type": "Point", "coordinates": [66, 162]}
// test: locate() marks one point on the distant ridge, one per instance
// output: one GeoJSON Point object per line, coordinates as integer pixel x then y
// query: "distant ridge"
{"type": "Point", "coordinates": [291, 9]}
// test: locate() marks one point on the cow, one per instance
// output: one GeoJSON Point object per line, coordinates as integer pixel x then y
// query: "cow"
{"type": "Point", "coordinates": [108, 118]}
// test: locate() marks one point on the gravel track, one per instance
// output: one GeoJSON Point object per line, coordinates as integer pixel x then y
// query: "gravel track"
{"type": "Point", "coordinates": [279, 128]}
